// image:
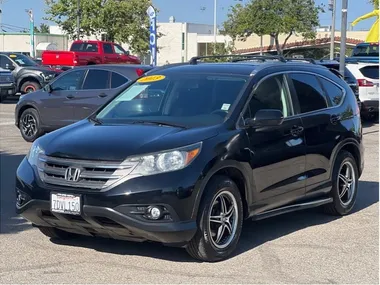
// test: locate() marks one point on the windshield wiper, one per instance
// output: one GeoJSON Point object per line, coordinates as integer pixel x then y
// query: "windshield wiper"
{"type": "Point", "coordinates": [159, 123]}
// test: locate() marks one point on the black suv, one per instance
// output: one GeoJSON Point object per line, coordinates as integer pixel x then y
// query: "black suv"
{"type": "Point", "coordinates": [7, 84]}
{"type": "Point", "coordinates": [30, 76]}
{"type": "Point", "coordinates": [187, 152]}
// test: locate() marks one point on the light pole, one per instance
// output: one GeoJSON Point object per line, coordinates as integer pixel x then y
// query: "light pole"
{"type": "Point", "coordinates": [343, 36]}
{"type": "Point", "coordinates": [78, 20]}
{"type": "Point", "coordinates": [215, 6]}
{"type": "Point", "coordinates": [31, 30]}
{"type": "Point", "coordinates": [332, 7]}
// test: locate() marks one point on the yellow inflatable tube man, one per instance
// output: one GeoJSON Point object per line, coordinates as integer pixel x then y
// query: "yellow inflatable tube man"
{"type": "Point", "coordinates": [373, 35]}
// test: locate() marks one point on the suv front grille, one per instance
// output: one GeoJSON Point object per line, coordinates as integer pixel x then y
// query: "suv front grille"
{"type": "Point", "coordinates": [92, 174]}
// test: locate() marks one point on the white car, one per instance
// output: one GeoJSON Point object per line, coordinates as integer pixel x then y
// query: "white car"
{"type": "Point", "coordinates": [367, 75]}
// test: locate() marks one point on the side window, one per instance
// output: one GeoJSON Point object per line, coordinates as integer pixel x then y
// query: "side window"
{"type": "Point", "coordinates": [96, 79]}
{"type": "Point", "coordinates": [272, 93]}
{"type": "Point", "coordinates": [107, 48]}
{"type": "Point", "coordinates": [4, 61]}
{"type": "Point", "coordinates": [333, 91]}
{"type": "Point", "coordinates": [309, 92]}
{"type": "Point", "coordinates": [118, 49]}
{"type": "Point", "coordinates": [117, 80]}
{"type": "Point", "coordinates": [69, 81]}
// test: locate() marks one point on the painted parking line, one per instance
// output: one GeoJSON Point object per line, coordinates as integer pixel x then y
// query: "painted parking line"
{"type": "Point", "coordinates": [7, 123]}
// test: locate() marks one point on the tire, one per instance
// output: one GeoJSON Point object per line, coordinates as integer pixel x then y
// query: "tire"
{"type": "Point", "coordinates": [30, 86]}
{"type": "Point", "coordinates": [29, 118]}
{"type": "Point", "coordinates": [56, 233]}
{"type": "Point", "coordinates": [343, 206]}
{"type": "Point", "coordinates": [204, 244]}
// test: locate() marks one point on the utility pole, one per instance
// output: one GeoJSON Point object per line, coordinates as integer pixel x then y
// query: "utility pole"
{"type": "Point", "coordinates": [215, 7]}
{"type": "Point", "coordinates": [31, 32]}
{"type": "Point", "coordinates": [332, 7]}
{"type": "Point", "coordinates": [343, 37]}
{"type": "Point", "coordinates": [78, 20]}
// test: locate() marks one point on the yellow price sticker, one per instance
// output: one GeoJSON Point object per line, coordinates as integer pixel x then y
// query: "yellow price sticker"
{"type": "Point", "coordinates": [12, 55]}
{"type": "Point", "coordinates": [151, 78]}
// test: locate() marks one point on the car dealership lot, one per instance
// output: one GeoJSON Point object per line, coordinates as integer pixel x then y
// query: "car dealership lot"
{"type": "Point", "coordinates": [303, 247]}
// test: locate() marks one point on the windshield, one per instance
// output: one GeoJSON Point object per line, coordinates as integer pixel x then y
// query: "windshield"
{"type": "Point", "coordinates": [178, 99]}
{"type": "Point", "coordinates": [366, 50]}
{"type": "Point", "coordinates": [22, 60]}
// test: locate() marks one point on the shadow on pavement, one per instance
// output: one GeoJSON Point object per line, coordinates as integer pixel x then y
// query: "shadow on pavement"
{"type": "Point", "coordinates": [11, 100]}
{"type": "Point", "coordinates": [254, 233]}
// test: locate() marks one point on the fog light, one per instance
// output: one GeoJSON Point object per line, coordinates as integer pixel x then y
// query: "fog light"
{"type": "Point", "coordinates": [154, 212]}
{"type": "Point", "coordinates": [20, 198]}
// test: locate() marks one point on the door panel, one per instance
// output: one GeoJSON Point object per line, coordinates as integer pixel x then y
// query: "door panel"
{"type": "Point", "coordinates": [109, 55]}
{"type": "Point", "coordinates": [277, 152]}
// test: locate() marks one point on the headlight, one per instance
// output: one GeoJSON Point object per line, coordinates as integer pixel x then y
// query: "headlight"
{"type": "Point", "coordinates": [34, 153]}
{"type": "Point", "coordinates": [165, 161]}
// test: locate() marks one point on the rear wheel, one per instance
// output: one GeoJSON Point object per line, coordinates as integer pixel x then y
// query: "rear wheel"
{"type": "Point", "coordinates": [30, 125]}
{"type": "Point", "coordinates": [220, 221]}
{"type": "Point", "coordinates": [345, 185]}
{"type": "Point", "coordinates": [56, 233]}
{"type": "Point", "coordinates": [30, 86]}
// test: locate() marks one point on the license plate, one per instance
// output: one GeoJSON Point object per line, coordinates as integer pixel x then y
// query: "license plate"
{"type": "Point", "coordinates": [65, 204]}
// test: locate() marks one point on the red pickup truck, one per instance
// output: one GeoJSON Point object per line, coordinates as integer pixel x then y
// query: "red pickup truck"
{"type": "Point", "coordinates": [87, 53]}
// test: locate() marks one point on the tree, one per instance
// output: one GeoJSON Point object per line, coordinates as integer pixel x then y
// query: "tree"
{"type": "Point", "coordinates": [274, 18]}
{"type": "Point", "coordinates": [44, 29]}
{"type": "Point", "coordinates": [375, 3]}
{"type": "Point", "coordinates": [124, 21]}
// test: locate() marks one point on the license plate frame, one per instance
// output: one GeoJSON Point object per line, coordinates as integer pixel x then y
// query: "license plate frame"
{"type": "Point", "coordinates": [62, 203]}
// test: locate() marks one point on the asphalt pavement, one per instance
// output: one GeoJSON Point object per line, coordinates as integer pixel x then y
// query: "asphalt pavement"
{"type": "Point", "coordinates": [297, 248]}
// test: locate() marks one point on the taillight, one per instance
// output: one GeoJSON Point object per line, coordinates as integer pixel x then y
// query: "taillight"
{"type": "Point", "coordinates": [365, 83]}
{"type": "Point", "coordinates": [139, 71]}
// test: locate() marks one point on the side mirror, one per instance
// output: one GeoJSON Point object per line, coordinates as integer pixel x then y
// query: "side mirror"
{"type": "Point", "coordinates": [266, 118]}
{"type": "Point", "coordinates": [48, 88]}
{"type": "Point", "coordinates": [127, 52]}
{"type": "Point", "coordinates": [9, 67]}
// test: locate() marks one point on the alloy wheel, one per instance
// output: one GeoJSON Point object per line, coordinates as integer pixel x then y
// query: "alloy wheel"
{"type": "Point", "coordinates": [223, 219]}
{"type": "Point", "coordinates": [346, 183]}
{"type": "Point", "coordinates": [29, 125]}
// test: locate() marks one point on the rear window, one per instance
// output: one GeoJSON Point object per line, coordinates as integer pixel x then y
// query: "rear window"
{"type": "Point", "coordinates": [366, 50]}
{"type": "Point", "coordinates": [85, 47]}
{"type": "Point", "coordinates": [370, 71]}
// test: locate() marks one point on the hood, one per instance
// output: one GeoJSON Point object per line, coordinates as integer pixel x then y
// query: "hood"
{"type": "Point", "coordinates": [86, 140]}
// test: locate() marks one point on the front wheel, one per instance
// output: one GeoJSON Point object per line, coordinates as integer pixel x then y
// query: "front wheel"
{"type": "Point", "coordinates": [220, 220]}
{"type": "Point", "coordinates": [344, 185]}
{"type": "Point", "coordinates": [30, 125]}
{"type": "Point", "coordinates": [29, 87]}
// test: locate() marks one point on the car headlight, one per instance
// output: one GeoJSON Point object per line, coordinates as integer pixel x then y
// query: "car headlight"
{"type": "Point", "coordinates": [165, 161]}
{"type": "Point", "coordinates": [34, 153]}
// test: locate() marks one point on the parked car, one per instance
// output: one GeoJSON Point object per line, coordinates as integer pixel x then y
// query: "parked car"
{"type": "Point", "coordinates": [367, 76]}
{"type": "Point", "coordinates": [89, 53]}
{"type": "Point", "coordinates": [72, 96]}
{"type": "Point", "coordinates": [183, 155]}
{"type": "Point", "coordinates": [7, 84]}
{"type": "Point", "coordinates": [365, 52]}
{"type": "Point", "coordinates": [28, 74]}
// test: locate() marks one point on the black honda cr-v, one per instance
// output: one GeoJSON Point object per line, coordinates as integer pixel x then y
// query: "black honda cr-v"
{"type": "Point", "coordinates": [186, 153]}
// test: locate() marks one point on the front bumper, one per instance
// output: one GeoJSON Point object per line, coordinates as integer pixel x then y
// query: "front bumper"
{"type": "Point", "coordinates": [115, 213]}
{"type": "Point", "coordinates": [7, 89]}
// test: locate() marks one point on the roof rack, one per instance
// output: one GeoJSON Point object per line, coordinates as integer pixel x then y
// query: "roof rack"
{"type": "Point", "coordinates": [311, 60]}
{"type": "Point", "coordinates": [236, 57]}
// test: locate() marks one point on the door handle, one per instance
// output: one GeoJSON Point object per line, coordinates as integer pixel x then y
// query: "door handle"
{"type": "Point", "coordinates": [296, 131]}
{"type": "Point", "coordinates": [102, 95]}
{"type": "Point", "coordinates": [70, 96]}
{"type": "Point", "coordinates": [334, 119]}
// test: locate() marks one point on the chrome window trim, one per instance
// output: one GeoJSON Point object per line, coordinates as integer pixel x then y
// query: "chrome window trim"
{"type": "Point", "coordinates": [238, 126]}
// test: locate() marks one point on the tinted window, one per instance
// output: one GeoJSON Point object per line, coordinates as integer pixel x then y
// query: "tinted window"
{"type": "Point", "coordinates": [4, 61]}
{"type": "Point", "coordinates": [107, 48]}
{"type": "Point", "coordinates": [69, 81]}
{"type": "Point", "coordinates": [178, 98]}
{"type": "Point", "coordinates": [309, 92]}
{"type": "Point", "coordinates": [117, 80]}
{"type": "Point", "coordinates": [366, 50]}
{"type": "Point", "coordinates": [270, 94]}
{"type": "Point", "coordinates": [85, 47]}
{"type": "Point", "coordinates": [333, 91]}
{"type": "Point", "coordinates": [371, 71]}
{"type": "Point", "coordinates": [96, 79]}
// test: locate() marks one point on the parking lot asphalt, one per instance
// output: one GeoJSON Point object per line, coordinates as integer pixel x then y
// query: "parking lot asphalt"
{"type": "Point", "coordinates": [301, 247]}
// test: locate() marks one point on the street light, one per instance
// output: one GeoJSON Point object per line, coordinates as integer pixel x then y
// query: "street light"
{"type": "Point", "coordinates": [332, 8]}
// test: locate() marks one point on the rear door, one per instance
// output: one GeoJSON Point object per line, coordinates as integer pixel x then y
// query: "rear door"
{"type": "Point", "coordinates": [278, 152]}
{"type": "Point", "coordinates": [109, 55]}
{"type": "Point", "coordinates": [322, 119]}
{"type": "Point", "coordinates": [95, 91]}
{"type": "Point", "coordinates": [56, 108]}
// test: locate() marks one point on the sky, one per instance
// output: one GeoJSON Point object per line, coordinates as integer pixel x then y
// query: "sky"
{"type": "Point", "coordinates": [193, 11]}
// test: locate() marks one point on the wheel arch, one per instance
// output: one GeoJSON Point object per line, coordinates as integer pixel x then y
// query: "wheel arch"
{"type": "Point", "coordinates": [26, 78]}
{"type": "Point", "coordinates": [352, 146]}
